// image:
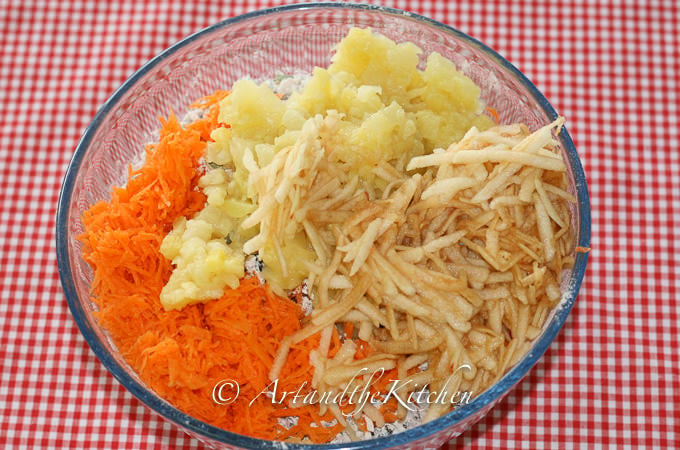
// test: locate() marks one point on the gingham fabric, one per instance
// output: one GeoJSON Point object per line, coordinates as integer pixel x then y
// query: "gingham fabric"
{"type": "Point", "coordinates": [612, 377]}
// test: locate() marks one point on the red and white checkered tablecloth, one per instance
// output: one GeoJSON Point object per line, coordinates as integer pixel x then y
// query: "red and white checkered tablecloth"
{"type": "Point", "coordinates": [610, 380]}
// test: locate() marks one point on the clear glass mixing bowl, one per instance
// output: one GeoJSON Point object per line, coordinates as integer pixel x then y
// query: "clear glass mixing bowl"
{"type": "Point", "coordinates": [263, 45]}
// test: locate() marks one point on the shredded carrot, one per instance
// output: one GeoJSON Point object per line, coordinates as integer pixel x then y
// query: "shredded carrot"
{"type": "Point", "coordinates": [364, 349]}
{"type": "Point", "coordinates": [494, 113]}
{"type": "Point", "coordinates": [210, 100]}
{"type": "Point", "coordinates": [209, 122]}
{"type": "Point", "coordinates": [382, 384]}
{"type": "Point", "coordinates": [388, 410]}
{"type": "Point", "coordinates": [349, 330]}
{"type": "Point", "coordinates": [183, 354]}
{"type": "Point", "coordinates": [361, 424]}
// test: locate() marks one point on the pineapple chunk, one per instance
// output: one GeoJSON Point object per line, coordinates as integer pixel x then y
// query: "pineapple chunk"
{"type": "Point", "coordinates": [295, 252]}
{"type": "Point", "coordinates": [377, 61]}
{"type": "Point", "coordinates": [218, 151]}
{"type": "Point", "coordinates": [237, 208]}
{"type": "Point", "coordinates": [446, 89]}
{"type": "Point", "coordinates": [203, 268]}
{"type": "Point", "coordinates": [386, 135]}
{"type": "Point", "coordinates": [253, 112]}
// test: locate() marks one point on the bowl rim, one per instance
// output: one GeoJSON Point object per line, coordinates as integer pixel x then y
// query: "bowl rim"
{"type": "Point", "coordinates": [424, 431]}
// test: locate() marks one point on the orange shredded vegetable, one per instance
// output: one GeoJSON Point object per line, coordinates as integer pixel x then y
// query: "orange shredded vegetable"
{"type": "Point", "coordinates": [493, 113]}
{"type": "Point", "coordinates": [349, 330]}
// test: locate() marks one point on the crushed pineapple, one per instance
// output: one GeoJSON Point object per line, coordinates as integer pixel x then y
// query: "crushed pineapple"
{"type": "Point", "coordinates": [204, 263]}
{"type": "Point", "coordinates": [383, 109]}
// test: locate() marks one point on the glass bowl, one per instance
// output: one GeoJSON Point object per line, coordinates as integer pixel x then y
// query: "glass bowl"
{"type": "Point", "coordinates": [263, 45]}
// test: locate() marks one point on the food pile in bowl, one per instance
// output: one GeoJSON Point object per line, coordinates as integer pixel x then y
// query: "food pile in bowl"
{"type": "Point", "coordinates": [337, 256]}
